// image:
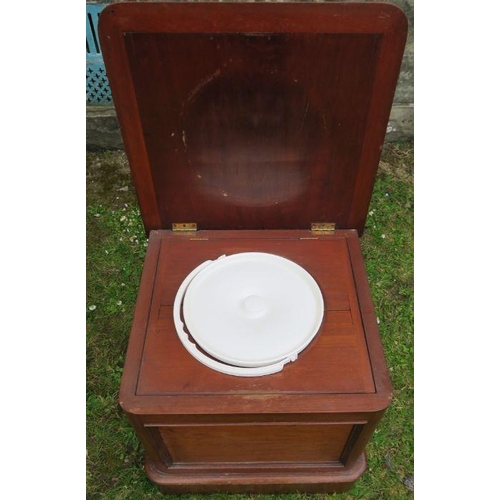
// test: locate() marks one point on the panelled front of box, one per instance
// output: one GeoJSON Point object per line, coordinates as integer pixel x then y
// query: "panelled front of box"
{"type": "Point", "coordinates": [250, 443]}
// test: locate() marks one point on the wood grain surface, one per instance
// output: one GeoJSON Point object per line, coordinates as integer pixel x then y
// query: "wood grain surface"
{"type": "Point", "coordinates": [254, 120]}
{"type": "Point", "coordinates": [317, 414]}
{"type": "Point", "coordinates": [253, 116]}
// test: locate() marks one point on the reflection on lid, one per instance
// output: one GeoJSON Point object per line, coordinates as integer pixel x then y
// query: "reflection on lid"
{"type": "Point", "coordinates": [241, 135]}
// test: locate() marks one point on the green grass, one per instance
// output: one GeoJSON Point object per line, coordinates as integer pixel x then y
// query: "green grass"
{"type": "Point", "coordinates": [116, 246]}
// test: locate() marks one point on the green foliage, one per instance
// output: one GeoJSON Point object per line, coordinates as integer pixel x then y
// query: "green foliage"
{"type": "Point", "coordinates": [116, 244]}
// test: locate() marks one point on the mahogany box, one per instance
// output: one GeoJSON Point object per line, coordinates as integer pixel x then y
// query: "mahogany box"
{"type": "Point", "coordinates": [254, 127]}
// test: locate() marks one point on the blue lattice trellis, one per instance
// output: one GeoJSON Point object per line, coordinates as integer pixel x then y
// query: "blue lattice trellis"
{"type": "Point", "coordinates": [98, 91]}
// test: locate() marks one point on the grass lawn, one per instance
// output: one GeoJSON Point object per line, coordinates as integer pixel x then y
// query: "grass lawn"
{"type": "Point", "coordinates": [116, 245]}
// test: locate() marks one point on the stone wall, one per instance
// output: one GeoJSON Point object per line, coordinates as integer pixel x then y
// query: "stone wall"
{"type": "Point", "coordinates": [103, 131]}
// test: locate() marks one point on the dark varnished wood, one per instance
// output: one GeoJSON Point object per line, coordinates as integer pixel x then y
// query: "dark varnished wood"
{"type": "Point", "coordinates": [251, 443]}
{"type": "Point", "coordinates": [280, 480]}
{"type": "Point", "coordinates": [350, 342]}
{"type": "Point", "coordinates": [261, 116]}
{"type": "Point", "coordinates": [253, 121]}
{"type": "Point", "coordinates": [336, 362]}
{"type": "Point", "coordinates": [317, 414]}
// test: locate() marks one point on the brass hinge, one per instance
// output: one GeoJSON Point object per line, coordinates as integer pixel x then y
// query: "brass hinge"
{"type": "Point", "coordinates": [320, 228]}
{"type": "Point", "coordinates": [184, 227]}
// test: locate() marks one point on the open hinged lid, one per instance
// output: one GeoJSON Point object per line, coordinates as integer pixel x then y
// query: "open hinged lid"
{"type": "Point", "coordinates": [253, 115]}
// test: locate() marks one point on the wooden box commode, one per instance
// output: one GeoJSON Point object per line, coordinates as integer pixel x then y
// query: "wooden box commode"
{"type": "Point", "coordinates": [254, 129]}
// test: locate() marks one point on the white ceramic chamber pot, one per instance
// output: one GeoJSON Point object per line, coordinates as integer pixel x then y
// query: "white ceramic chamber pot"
{"type": "Point", "coordinates": [250, 312]}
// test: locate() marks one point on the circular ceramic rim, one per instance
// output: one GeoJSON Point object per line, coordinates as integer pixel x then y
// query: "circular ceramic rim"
{"type": "Point", "coordinates": [200, 356]}
{"type": "Point", "coordinates": [243, 257]}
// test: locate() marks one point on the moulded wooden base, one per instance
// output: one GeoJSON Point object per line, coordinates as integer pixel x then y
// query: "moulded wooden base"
{"type": "Point", "coordinates": [286, 480]}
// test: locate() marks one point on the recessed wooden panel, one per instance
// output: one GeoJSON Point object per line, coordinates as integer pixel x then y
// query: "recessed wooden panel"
{"type": "Point", "coordinates": [328, 264]}
{"type": "Point", "coordinates": [299, 443]}
{"type": "Point", "coordinates": [253, 116]}
{"type": "Point", "coordinates": [253, 131]}
{"type": "Point", "coordinates": [336, 362]}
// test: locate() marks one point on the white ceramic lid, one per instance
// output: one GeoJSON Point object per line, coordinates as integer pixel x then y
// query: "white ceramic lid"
{"type": "Point", "coordinates": [253, 309]}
